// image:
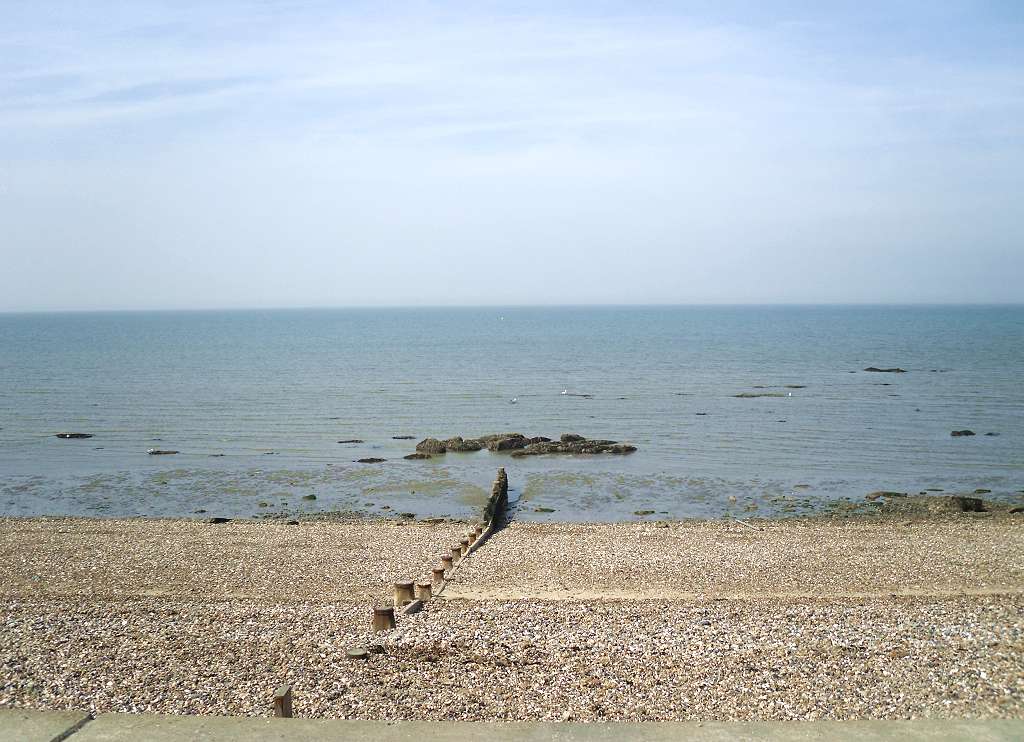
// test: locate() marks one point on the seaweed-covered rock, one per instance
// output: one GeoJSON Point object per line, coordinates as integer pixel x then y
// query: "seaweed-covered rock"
{"type": "Point", "coordinates": [925, 504]}
{"type": "Point", "coordinates": [571, 438]}
{"type": "Point", "coordinates": [460, 445]}
{"type": "Point", "coordinates": [509, 443]}
{"type": "Point", "coordinates": [430, 445]}
{"type": "Point", "coordinates": [583, 447]}
{"type": "Point", "coordinates": [417, 456]}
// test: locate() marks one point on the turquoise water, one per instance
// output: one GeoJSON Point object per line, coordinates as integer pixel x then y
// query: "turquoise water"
{"type": "Point", "coordinates": [255, 402]}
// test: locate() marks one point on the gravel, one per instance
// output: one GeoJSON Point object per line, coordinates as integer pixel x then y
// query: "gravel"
{"type": "Point", "coordinates": [790, 622]}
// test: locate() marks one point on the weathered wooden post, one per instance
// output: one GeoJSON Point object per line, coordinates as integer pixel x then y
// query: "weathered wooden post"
{"type": "Point", "coordinates": [456, 554]}
{"type": "Point", "coordinates": [383, 619]}
{"type": "Point", "coordinates": [283, 702]}
{"type": "Point", "coordinates": [423, 591]}
{"type": "Point", "coordinates": [446, 562]}
{"type": "Point", "coordinates": [403, 593]}
{"type": "Point", "coordinates": [464, 546]}
{"type": "Point", "coordinates": [437, 574]}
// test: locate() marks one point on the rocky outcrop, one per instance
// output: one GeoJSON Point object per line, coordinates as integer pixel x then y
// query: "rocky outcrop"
{"type": "Point", "coordinates": [875, 369]}
{"type": "Point", "coordinates": [460, 445]}
{"type": "Point", "coordinates": [403, 437]}
{"type": "Point", "coordinates": [370, 461]}
{"type": "Point", "coordinates": [580, 447]}
{"type": "Point", "coordinates": [927, 504]}
{"type": "Point", "coordinates": [417, 456]}
{"type": "Point", "coordinates": [520, 445]}
{"type": "Point", "coordinates": [430, 445]}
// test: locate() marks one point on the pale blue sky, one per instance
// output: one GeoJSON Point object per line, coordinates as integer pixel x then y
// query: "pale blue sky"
{"type": "Point", "coordinates": [235, 154]}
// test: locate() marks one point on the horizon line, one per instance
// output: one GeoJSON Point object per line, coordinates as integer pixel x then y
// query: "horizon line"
{"type": "Point", "coordinates": [654, 305]}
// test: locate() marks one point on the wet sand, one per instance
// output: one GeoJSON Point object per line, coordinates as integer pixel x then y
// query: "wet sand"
{"type": "Point", "coordinates": [874, 618]}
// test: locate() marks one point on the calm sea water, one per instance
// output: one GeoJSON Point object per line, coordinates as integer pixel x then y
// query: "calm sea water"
{"type": "Point", "coordinates": [256, 401]}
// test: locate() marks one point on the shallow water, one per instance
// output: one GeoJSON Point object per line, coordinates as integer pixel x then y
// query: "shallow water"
{"type": "Point", "coordinates": [256, 401]}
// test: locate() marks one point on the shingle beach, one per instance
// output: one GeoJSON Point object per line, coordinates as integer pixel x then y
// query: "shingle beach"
{"type": "Point", "coordinates": [809, 619]}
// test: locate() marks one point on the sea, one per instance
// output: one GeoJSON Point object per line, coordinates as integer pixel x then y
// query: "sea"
{"type": "Point", "coordinates": [256, 402]}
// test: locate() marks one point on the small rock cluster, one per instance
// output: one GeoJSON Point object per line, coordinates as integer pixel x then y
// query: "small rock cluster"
{"type": "Point", "coordinates": [521, 445]}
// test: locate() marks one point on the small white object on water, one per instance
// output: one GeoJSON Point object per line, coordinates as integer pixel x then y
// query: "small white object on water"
{"type": "Point", "coordinates": [565, 391]}
{"type": "Point", "coordinates": [514, 400]}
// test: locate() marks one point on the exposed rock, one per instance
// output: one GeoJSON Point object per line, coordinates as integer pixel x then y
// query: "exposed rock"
{"type": "Point", "coordinates": [992, 434]}
{"type": "Point", "coordinates": [67, 436]}
{"type": "Point", "coordinates": [543, 510]}
{"type": "Point", "coordinates": [754, 395]}
{"type": "Point", "coordinates": [935, 504]}
{"type": "Point", "coordinates": [643, 512]}
{"type": "Point", "coordinates": [586, 447]}
{"type": "Point", "coordinates": [961, 433]}
{"type": "Point", "coordinates": [403, 437]}
{"type": "Point", "coordinates": [351, 440]}
{"type": "Point", "coordinates": [872, 496]}
{"type": "Point", "coordinates": [537, 439]}
{"type": "Point", "coordinates": [418, 456]}
{"type": "Point", "coordinates": [218, 520]}
{"type": "Point", "coordinates": [875, 369]}
{"type": "Point", "coordinates": [370, 461]}
{"type": "Point", "coordinates": [291, 523]}
{"type": "Point", "coordinates": [571, 438]}
{"type": "Point", "coordinates": [309, 497]}
{"type": "Point", "coordinates": [158, 452]}
{"type": "Point", "coordinates": [460, 445]}
{"type": "Point", "coordinates": [408, 516]}
{"type": "Point", "coordinates": [509, 443]}
{"type": "Point", "coordinates": [486, 440]}
{"type": "Point", "coordinates": [430, 445]}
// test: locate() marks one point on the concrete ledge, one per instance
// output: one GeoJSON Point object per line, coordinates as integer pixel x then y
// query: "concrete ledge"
{"type": "Point", "coordinates": [27, 725]}
{"type": "Point", "coordinates": [125, 727]}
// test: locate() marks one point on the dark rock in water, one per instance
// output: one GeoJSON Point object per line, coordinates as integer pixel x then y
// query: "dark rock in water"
{"type": "Point", "coordinates": [926, 504]}
{"type": "Point", "coordinates": [370, 461]}
{"type": "Point", "coordinates": [68, 436]}
{"type": "Point", "coordinates": [992, 434]}
{"type": "Point", "coordinates": [216, 455]}
{"type": "Point", "coordinates": [218, 520]}
{"type": "Point", "coordinates": [158, 452]}
{"type": "Point", "coordinates": [309, 497]}
{"type": "Point", "coordinates": [700, 414]}
{"type": "Point", "coordinates": [875, 369]}
{"type": "Point", "coordinates": [871, 496]}
{"type": "Point", "coordinates": [460, 445]}
{"type": "Point", "coordinates": [982, 492]}
{"type": "Point", "coordinates": [796, 386]}
{"type": "Point", "coordinates": [510, 443]}
{"type": "Point", "coordinates": [403, 437]}
{"type": "Point", "coordinates": [537, 439]}
{"type": "Point", "coordinates": [351, 440]}
{"type": "Point", "coordinates": [961, 433]}
{"type": "Point", "coordinates": [583, 447]}
{"type": "Point", "coordinates": [292, 523]}
{"type": "Point", "coordinates": [409, 516]}
{"type": "Point", "coordinates": [755, 395]}
{"type": "Point", "coordinates": [430, 445]}
{"type": "Point", "coordinates": [486, 440]}
{"type": "Point", "coordinates": [1017, 509]}
{"type": "Point", "coordinates": [643, 512]}
{"type": "Point", "coordinates": [543, 510]}
{"type": "Point", "coordinates": [417, 456]}
{"type": "Point", "coordinates": [571, 438]}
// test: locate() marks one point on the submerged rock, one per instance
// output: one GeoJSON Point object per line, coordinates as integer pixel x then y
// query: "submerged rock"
{"type": "Point", "coordinates": [370, 461]}
{"type": "Point", "coordinates": [754, 395]}
{"type": "Point", "coordinates": [961, 433]}
{"type": "Point", "coordinates": [417, 456]}
{"type": "Point", "coordinates": [875, 369]}
{"type": "Point", "coordinates": [159, 452]}
{"type": "Point", "coordinates": [68, 436]}
{"type": "Point", "coordinates": [351, 440]}
{"type": "Point", "coordinates": [583, 447]}
{"type": "Point", "coordinates": [403, 437]}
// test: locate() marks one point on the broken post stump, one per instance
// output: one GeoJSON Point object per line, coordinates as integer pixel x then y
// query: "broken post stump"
{"type": "Point", "coordinates": [283, 702]}
{"type": "Point", "coordinates": [424, 591]}
{"type": "Point", "coordinates": [383, 619]}
{"type": "Point", "coordinates": [403, 593]}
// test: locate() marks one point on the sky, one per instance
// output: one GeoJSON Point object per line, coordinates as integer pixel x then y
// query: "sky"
{"type": "Point", "coordinates": [233, 154]}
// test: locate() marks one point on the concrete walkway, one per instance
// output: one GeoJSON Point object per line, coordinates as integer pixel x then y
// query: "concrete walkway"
{"type": "Point", "coordinates": [20, 725]}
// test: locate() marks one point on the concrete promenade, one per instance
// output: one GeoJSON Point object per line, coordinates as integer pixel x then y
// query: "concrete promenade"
{"type": "Point", "coordinates": [22, 725]}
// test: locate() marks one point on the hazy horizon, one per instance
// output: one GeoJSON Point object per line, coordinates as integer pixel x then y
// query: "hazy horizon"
{"type": "Point", "coordinates": [302, 154]}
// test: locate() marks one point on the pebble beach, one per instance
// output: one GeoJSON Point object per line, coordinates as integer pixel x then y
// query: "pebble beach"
{"type": "Point", "coordinates": [809, 619]}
